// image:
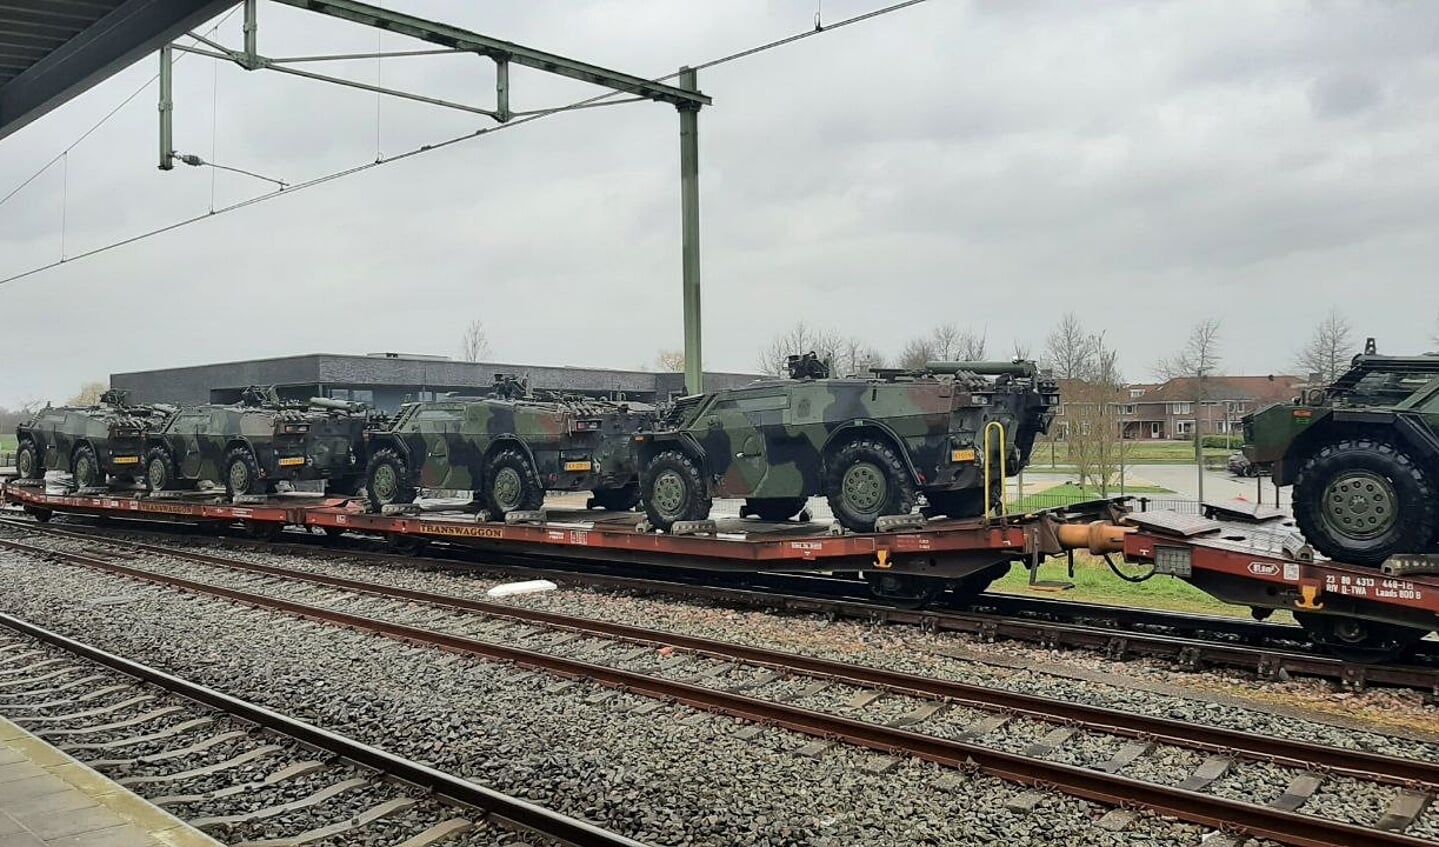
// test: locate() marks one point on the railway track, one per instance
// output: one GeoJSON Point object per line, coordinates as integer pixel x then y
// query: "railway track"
{"type": "Point", "coordinates": [244, 773]}
{"type": "Point", "coordinates": [1016, 737]}
{"type": "Point", "coordinates": [1190, 642]}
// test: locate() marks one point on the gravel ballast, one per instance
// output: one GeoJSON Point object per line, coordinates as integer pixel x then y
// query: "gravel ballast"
{"type": "Point", "coordinates": [671, 775]}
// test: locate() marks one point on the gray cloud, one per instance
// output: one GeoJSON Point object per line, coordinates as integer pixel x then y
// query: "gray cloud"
{"type": "Point", "coordinates": [994, 164]}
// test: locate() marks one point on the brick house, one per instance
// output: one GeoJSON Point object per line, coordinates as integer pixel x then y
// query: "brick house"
{"type": "Point", "coordinates": [1171, 410]}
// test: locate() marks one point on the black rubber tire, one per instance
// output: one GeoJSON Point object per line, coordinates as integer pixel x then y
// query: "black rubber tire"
{"type": "Point", "coordinates": [85, 468]}
{"type": "Point", "coordinates": [402, 490]}
{"type": "Point", "coordinates": [159, 470]}
{"type": "Point", "coordinates": [28, 462]}
{"type": "Point", "coordinates": [899, 493]}
{"type": "Point", "coordinates": [1415, 507]}
{"type": "Point", "coordinates": [774, 508]}
{"type": "Point", "coordinates": [241, 456]}
{"type": "Point", "coordinates": [529, 494]}
{"type": "Point", "coordinates": [622, 499]}
{"type": "Point", "coordinates": [961, 503]}
{"type": "Point", "coordinates": [673, 467]}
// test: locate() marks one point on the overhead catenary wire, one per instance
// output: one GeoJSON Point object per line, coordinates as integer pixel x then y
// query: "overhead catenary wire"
{"type": "Point", "coordinates": [423, 149]}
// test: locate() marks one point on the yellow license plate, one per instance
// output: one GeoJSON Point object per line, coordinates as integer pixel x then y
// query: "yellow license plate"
{"type": "Point", "coordinates": [291, 461]}
{"type": "Point", "coordinates": [961, 455]}
{"type": "Point", "coordinates": [126, 460]}
{"type": "Point", "coordinates": [578, 466]}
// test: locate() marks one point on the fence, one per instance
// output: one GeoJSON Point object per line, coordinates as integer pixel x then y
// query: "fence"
{"type": "Point", "coordinates": [1139, 502]}
{"type": "Point", "coordinates": [1040, 501]}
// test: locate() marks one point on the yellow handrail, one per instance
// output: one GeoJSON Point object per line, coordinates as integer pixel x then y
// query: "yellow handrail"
{"type": "Point", "coordinates": [989, 507]}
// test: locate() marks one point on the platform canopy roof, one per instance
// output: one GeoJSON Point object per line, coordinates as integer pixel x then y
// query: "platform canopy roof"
{"type": "Point", "coordinates": [52, 50]}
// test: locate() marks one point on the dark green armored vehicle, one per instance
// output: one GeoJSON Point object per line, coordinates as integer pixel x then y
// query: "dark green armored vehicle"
{"type": "Point", "coordinates": [249, 446]}
{"type": "Point", "coordinates": [91, 443]}
{"type": "Point", "coordinates": [871, 446]}
{"type": "Point", "coordinates": [1363, 457]}
{"type": "Point", "coordinates": [508, 449]}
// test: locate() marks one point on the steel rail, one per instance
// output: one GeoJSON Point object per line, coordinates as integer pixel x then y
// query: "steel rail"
{"type": "Point", "coordinates": [1364, 765]}
{"type": "Point", "coordinates": [1191, 806]}
{"type": "Point", "coordinates": [462, 792]}
{"type": "Point", "coordinates": [1118, 643]}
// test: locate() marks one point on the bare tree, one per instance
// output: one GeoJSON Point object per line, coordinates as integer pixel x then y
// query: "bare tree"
{"type": "Point", "coordinates": [1096, 444]}
{"type": "Point", "coordinates": [854, 357]}
{"type": "Point", "coordinates": [1069, 349]}
{"type": "Point", "coordinates": [670, 361]}
{"type": "Point", "coordinates": [974, 346]}
{"type": "Point", "coordinates": [797, 339]}
{"type": "Point", "coordinates": [845, 354]}
{"type": "Point", "coordinates": [1020, 349]}
{"type": "Point", "coordinates": [1435, 336]}
{"type": "Point", "coordinates": [475, 342]}
{"type": "Point", "coordinates": [949, 343]}
{"type": "Point", "coordinates": [1198, 358]}
{"type": "Point", "coordinates": [89, 394]}
{"type": "Point", "coordinates": [1329, 349]}
{"type": "Point", "coordinates": [916, 352]}
{"type": "Point", "coordinates": [1196, 361]}
{"type": "Point", "coordinates": [945, 341]}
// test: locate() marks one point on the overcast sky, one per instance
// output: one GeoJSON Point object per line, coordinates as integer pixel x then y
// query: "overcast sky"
{"type": "Point", "coordinates": [991, 164]}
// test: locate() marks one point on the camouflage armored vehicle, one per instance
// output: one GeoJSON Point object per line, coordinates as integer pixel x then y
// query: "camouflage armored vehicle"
{"type": "Point", "coordinates": [1362, 455]}
{"type": "Point", "coordinates": [870, 445]}
{"type": "Point", "coordinates": [91, 443]}
{"type": "Point", "coordinates": [249, 446]}
{"type": "Point", "coordinates": [508, 448]}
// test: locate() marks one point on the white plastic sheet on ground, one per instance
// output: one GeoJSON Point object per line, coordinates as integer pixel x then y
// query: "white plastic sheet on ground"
{"type": "Point", "coordinates": [511, 589]}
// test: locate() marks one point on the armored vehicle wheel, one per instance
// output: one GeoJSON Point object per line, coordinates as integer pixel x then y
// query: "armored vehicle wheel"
{"type": "Point", "coordinates": [864, 480]}
{"type": "Point", "coordinates": [774, 508]}
{"type": "Point", "coordinates": [964, 503]}
{"type": "Point", "coordinates": [159, 470]}
{"type": "Point", "coordinates": [85, 468]}
{"type": "Point", "coordinates": [27, 462]}
{"type": "Point", "coordinates": [1361, 501]}
{"type": "Point", "coordinates": [387, 480]}
{"type": "Point", "coordinates": [621, 499]}
{"type": "Point", "coordinates": [673, 489]}
{"type": "Point", "coordinates": [242, 473]}
{"type": "Point", "coordinates": [511, 484]}
{"type": "Point", "coordinates": [1359, 640]}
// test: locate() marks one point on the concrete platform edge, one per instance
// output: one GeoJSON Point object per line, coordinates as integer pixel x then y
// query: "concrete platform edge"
{"type": "Point", "coordinates": [160, 824]}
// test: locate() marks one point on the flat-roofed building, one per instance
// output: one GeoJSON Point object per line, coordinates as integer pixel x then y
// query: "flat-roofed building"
{"type": "Point", "coordinates": [388, 379]}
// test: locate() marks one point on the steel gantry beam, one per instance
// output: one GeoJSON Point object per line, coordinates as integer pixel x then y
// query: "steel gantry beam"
{"type": "Point", "coordinates": [463, 39]}
{"type": "Point", "coordinates": [686, 98]}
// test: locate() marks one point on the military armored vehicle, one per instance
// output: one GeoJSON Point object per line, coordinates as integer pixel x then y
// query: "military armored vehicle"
{"type": "Point", "coordinates": [870, 445]}
{"type": "Point", "coordinates": [508, 448]}
{"type": "Point", "coordinates": [250, 446]}
{"type": "Point", "coordinates": [1362, 455]}
{"type": "Point", "coordinates": [92, 443]}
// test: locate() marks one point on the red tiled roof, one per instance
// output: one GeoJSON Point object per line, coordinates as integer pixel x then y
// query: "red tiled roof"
{"type": "Point", "coordinates": [1264, 389]}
